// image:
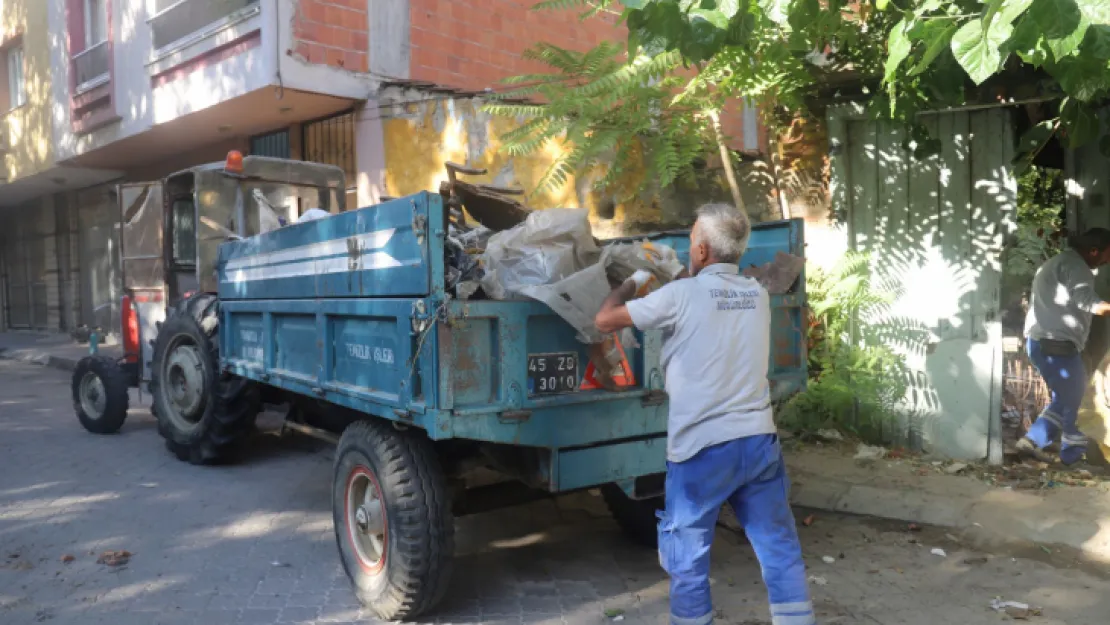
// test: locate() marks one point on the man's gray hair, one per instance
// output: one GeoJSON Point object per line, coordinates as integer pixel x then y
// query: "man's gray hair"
{"type": "Point", "coordinates": [726, 230]}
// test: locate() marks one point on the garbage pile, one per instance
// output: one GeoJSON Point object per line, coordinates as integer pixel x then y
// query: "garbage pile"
{"type": "Point", "coordinates": [553, 257]}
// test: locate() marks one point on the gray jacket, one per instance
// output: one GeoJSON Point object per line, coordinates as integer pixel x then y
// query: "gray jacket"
{"type": "Point", "coordinates": [1063, 300]}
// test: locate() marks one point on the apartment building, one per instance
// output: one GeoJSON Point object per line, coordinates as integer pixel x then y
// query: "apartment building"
{"type": "Point", "coordinates": [117, 91]}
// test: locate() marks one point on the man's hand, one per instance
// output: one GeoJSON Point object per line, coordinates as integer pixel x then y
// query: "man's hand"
{"type": "Point", "coordinates": [1102, 308]}
{"type": "Point", "coordinates": [613, 315]}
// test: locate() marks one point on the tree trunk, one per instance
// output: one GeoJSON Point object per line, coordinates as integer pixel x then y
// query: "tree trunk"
{"type": "Point", "coordinates": [776, 172]}
{"type": "Point", "coordinates": [726, 160]}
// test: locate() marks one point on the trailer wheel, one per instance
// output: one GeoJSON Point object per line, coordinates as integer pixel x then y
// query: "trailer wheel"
{"type": "Point", "coordinates": [100, 394]}
{"type": "Point", "coordinates": [635, 517]}
{"type": "Point", "coordinates": [202, 413]}
{"type": "Point", "coordinates": [393, 522]}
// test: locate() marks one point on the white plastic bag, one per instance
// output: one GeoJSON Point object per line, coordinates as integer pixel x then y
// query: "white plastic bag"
{"type": "Point", "coordinates": [549, 246]}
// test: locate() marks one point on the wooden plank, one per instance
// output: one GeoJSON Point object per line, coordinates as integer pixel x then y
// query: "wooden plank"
{"type": "Point", "coordinates": [954, 217]}
{"type": "Point", "coordinates": [995, 198]}
{"type": "Point", "coordinates": [863, 191]}
{"type": "Point", "coordinates": [923, 237]}
{"type": "Point", "coordinates": [892, 240]}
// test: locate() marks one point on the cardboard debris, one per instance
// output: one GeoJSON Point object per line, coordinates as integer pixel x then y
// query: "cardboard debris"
{"type": "Point", "coordinates": [778, 275]}
{"type": "Point", "coordinates": [493, 210]}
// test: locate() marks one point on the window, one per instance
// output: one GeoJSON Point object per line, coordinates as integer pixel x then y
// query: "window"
{"type": "Point", "coordinates": [274, 144]}
{"type": "Point", "coordinates": [17, 91]}
{"type": "Point", "coordinates": [96, 22]}
{"type": "Point", "coordinates": [184, 232]}
{"type": "Point", "coordinates": [175, 21]}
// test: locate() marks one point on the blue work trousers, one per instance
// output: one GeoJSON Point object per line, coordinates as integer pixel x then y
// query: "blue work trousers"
{"type": "Point", "coordinates": [748, 473]}
{"type": "Point", "coordinates": [1066, 378]}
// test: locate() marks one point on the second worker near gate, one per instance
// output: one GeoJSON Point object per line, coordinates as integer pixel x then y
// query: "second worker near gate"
{"type": "Point", "coordinates": [721, 437]}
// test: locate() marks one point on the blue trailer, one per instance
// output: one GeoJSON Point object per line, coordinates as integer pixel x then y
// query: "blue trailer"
{"type": "Point", "coordinates": [347, 320]}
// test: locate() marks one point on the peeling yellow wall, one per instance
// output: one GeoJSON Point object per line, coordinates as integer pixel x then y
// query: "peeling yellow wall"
{"type": "Point", "coordinates": [423, 130]}
{"type": "Point", "coordinates": [29, 127]}
{"type": "Point", "coordinates": [426, 131]}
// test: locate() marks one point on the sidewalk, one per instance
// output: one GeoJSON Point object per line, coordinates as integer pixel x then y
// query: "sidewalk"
{"type": "Point", "coordinates": [58, 351]}
{"type": "Point", "coordinates": [1019, 503]}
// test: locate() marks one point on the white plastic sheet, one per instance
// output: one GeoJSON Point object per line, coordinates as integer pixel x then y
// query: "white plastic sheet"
{"type": "Point", "coordinates": [549, 246]}
{"type": "Point", "coordinates": [552, 257]}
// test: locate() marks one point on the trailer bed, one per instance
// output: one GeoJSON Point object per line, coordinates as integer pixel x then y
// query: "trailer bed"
{"type": "Point", "coordinates": [351, 310]}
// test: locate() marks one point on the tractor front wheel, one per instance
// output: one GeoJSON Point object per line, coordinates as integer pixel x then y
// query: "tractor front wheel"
{"type": "Point", "coordinates": [100, 394]}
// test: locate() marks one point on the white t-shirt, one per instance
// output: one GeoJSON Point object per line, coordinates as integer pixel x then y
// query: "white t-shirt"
{"type": "Point", "coordinates": [716, 346]}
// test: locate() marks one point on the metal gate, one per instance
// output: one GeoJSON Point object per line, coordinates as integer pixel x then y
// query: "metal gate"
{"type": "Point", "coordinates": [25, 270]}
{"type": "Point", "coordinates": [332, 141]}
{"type": "Point", "coordinates": [935, 231]}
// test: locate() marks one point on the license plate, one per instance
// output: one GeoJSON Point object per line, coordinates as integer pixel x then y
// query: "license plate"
{"type": "Point", "coordinates": [552, 373]}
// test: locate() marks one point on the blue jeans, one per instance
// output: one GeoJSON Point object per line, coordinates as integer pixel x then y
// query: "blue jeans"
{"type": "Point", "coordinates": [1066, 378]}
{"type": "Point", "coordinates": [748, 473]}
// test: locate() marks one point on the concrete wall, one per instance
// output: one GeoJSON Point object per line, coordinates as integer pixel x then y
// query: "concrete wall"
{"type": "Point", "coordinates": [144, 102]}
{"type": "Point", "coordinates": [29, 127]}
{"type": "Point", "coordinates": [156, 87]}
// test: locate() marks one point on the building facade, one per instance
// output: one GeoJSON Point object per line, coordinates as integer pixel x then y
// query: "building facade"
{"type": "Point", "coordinates": [117, 91]}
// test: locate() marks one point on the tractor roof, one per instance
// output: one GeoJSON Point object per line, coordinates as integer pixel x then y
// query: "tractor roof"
{"type": "Point", "coordinates": [279, 170]}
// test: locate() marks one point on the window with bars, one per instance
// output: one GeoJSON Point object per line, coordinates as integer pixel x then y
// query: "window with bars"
{"type": "Point", "coordinates": [332, 141]}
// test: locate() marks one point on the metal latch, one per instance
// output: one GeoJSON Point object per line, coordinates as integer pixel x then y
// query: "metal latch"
{"type": "Point", "coordinates": [653, 398]}
{"type": "Point", "coordinates": [514, 416]}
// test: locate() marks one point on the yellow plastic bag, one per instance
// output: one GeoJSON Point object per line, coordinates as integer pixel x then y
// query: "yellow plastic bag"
{"type": "Point", "coordinates": [1094, 413]}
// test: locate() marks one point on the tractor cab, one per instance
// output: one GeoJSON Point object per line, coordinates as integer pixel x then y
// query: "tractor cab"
{"type": "Point", "coordinates": [171, 230]}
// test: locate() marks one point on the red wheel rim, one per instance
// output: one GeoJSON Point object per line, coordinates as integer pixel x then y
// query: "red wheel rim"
{"type": "Point", "coordinates": [366, 520]}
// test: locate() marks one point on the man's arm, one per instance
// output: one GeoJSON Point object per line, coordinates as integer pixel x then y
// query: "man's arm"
{"type": "Point", "coordinates": [620, 310]}
{"type": "Point", "coordinates": [614, 315]}
{"type": "Point", "coordinates": [1083, 290]}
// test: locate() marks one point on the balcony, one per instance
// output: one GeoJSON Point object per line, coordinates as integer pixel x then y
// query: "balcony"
{"type": "Point", "coordinates": [91, 67]}
{"type": "Point", "coordinates": [177, 23]}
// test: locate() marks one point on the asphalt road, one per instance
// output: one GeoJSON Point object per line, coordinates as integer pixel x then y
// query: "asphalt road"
{"type": "Point", "coordinates": [253, 543]}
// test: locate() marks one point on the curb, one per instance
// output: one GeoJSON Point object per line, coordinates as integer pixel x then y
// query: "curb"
{"type": "Point", "coordinates": [1002, 516]}
{"type": "Point", "coordinates": [60, 363]}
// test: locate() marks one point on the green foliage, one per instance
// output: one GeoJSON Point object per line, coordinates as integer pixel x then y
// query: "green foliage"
{"type": "Point", "coordinates": [1039, 222]}
{"type": "Point", "coordinates": [608, 112]}
{"type": "Point", "coordinates": [686, 58]}
{"type": "Point", "coordinates": [856, 379]}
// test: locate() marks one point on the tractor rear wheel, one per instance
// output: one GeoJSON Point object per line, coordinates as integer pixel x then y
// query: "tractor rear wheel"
{"type": "Point", "coordinates": [100, 394]}
{"type": "Point", "coordinates": [202, 412]}
{"type": "Point", "coordinates": [393, 521]}
{"type": "Point", "coordinates": [635, 517]}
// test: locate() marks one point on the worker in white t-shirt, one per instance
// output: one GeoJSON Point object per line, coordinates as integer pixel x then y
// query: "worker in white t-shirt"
{"type": "Point", "coordinates": [721, 438]}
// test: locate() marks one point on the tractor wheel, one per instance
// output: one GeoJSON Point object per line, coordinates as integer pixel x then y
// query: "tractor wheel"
{"type": "Point", "coordinates": [202, 412]}
{"type": "Point", "coordinates": [100, 394]}
{"type": "Point", "coordinates": [393, 521]}
{"type": "Point", "coordinates": [635, 517]}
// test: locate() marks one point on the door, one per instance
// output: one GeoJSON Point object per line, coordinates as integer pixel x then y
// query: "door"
{"type": "Point", "coordinates": [24, 243]}
{"type": "Point", "coordinates": [143, 261]}
{"type": "Point", "coordinates": [935, 229]}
